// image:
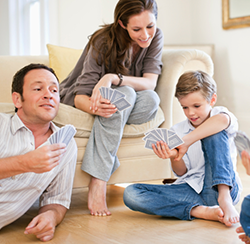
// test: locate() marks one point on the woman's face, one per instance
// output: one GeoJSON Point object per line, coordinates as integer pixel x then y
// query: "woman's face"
{"type": "Point", "coordinates": [141, 28]}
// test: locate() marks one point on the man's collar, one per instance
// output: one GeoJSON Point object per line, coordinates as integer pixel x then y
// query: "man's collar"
{"type": "Point", "coordinates": [17, 124]}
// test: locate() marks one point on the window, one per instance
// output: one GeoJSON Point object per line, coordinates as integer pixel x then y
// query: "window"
{"type": "Point", "coordinates": [29, 28]}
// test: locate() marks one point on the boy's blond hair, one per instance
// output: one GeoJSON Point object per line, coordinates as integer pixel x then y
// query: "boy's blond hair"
{"type": "Point", "coordinates": [193, 81]}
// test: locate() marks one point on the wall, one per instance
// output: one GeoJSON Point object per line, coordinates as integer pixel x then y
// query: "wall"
{"type": "Point", "coordinates": [4, 30]}
{"type": "Point", "coordinates": [77, 19]}
{"type": "Point", "coordinates": [231, 57]}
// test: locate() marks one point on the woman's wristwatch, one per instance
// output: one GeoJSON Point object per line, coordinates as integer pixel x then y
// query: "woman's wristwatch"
{"type": "Point", "coordinates": [121, 79]}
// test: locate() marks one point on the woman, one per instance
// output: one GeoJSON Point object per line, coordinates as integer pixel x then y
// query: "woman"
{"type": "Point", "coordinates": [127, 56]}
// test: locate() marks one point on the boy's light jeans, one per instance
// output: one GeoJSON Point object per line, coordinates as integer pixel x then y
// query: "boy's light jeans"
{"type": "Point", "coordinates": [178, 200]}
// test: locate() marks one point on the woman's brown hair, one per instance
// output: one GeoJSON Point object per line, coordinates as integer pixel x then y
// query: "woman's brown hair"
{"type": "Point", "coordinates": [112, 43]}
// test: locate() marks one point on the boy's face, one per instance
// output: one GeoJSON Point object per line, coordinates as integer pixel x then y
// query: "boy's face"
{"type": "Point", "coordinates": [196, 107]}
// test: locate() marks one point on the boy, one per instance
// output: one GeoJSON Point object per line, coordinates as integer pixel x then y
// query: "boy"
{"type": "Point", "coordinates": [245, 208]}
{"type": "Point", "coordinates": [203, 164]}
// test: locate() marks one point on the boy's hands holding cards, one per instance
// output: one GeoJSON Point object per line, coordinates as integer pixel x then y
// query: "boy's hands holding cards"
{"type": "Point", "coordinates": [163, 142]}
{"type": "Point", "coordinates": [162, 150]}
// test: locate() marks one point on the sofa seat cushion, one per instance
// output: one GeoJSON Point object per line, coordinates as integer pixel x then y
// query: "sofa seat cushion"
{"type": "Point", "coordinates": [83, 122]}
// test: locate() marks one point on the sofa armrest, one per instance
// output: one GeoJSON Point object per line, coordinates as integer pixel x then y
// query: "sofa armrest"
{"type": "Point", "coordinates": [175, 63]}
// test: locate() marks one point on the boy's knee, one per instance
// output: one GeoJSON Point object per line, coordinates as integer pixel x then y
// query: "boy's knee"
{"type": "Point", "coordinates": [220, 136]}
{"type": "Point", "coordinates": [245, 206]}
{"type": "Point", "coordinates": [129, 195]}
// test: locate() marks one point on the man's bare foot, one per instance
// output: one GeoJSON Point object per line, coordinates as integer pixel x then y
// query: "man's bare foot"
{"type": "Point", "coordinates": [97, 198]}
{"type": "Point", "coordinates": [231, 216]}
{"type": "Point", "coordinates": [208, 212]}
{"type": "Point", "coordinates": [243, 237]}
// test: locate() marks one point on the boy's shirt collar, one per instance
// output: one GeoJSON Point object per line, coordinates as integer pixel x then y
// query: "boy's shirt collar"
{"type": "Point", "coordinates": [188, 127]}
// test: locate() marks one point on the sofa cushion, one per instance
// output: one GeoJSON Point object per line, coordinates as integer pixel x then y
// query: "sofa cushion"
{"type": "Point", "coordinates": [62, 60]}
{"type": "Point", "coordinates": [83, 122]}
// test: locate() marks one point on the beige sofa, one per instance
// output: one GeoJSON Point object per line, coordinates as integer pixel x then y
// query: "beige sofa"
{"type": "Point", "coordinates": [137, 163]}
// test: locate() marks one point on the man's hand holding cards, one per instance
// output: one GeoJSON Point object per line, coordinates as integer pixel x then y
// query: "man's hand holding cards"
{"type": "Point", "coordinates": [115, 97]}
{"type": "Point", "coordinates": [161, 134]}
{"type": "Point", "coordinates": [64, 135]}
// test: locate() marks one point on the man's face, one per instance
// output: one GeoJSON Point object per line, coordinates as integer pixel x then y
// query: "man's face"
{"type": "Point", "coordinates": [41, 99]}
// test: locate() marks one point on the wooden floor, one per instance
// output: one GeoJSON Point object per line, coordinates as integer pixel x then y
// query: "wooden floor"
{"type": "Point", "coordinates": [125, 226]}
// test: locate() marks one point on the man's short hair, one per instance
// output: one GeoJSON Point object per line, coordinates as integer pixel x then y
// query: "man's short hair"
{"type": "Point", "coordinates": [193, 81]}
{"type": "Point", "coordinates": [18, 79]}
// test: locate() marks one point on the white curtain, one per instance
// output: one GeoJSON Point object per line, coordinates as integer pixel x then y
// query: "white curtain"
{"type": "Point", "coordinates": [28, 27]}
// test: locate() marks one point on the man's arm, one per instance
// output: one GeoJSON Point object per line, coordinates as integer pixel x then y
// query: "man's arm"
{"type": "Point", "coordinates": [40, 160]}
{"type": "Point", "coordinates": [44, 224]}
{"type": "Point", "coordinates": [209, 127]}
{"type": "Point", "coordinates": [56, 199]}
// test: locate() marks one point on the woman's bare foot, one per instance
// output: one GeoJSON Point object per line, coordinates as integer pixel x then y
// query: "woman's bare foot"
{"type": "Point", "coordinates": [97, 198]}
{"type": "Point", "coordinates": [243, 237]}
{"type": "Point", "coordinates": [231, 216]}
{"type": "Point", "coordinates": [208, 212]}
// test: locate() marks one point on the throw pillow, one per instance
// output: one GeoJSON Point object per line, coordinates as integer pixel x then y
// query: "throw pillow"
{"type": "Point", "coordinates": [62, 60]}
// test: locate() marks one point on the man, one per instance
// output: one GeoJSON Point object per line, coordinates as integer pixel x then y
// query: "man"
{"type": "Point", "coordinates": [30, 167]}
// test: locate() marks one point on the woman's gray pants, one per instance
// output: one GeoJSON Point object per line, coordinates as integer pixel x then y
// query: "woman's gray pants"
{"type": "Point", "coordinates": [100, 158]}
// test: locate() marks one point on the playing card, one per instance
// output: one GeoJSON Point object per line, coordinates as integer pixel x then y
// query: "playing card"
{"type": "Point", "coordinates": [53, 138]}
{"type": "Point", "coordinates": [165, 134]}
{"type": "Point", "coordinates": [110, 93]}
{"type": "Point", "coordinates": [64, 135]}
{"type": "Point", "coordinates": [149, 143]}
{"type": "Point", "coordinates": [106, 92]}
{"type": "Point", "coordinates": [174, 141]}
{"type": "Point", "coordinates": [121, 104]}
{"type": "Point", "coordinates": [116, 95]}
{"type": "Point", "coordinates": [67, 133]}
{"type": "Point", "coordinates": [242, 142]}
{"type": "Point", "coordinates": [101, 89]}
{"type": "Point", "coordinates": [157, 134]}
{"type": "Point", "coordinates": [150, 136]}
{"type": "Point", "coordinates": [171, 133]}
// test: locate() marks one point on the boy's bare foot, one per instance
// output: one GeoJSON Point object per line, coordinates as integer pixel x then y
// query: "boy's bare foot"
{"type": "Point", "coordinates": [231, 216]}
{"type": "Point", "coordinates": [243, 237]}
{"type": "Point", "coordinates": [97, 198]}
{"type": "Point", "coordinates": [208, 212]}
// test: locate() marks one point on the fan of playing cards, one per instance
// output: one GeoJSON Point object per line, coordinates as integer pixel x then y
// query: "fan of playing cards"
{"type": "Point", "coordinates": [116, 97]}
{"type": "Point", "coordinates": [161, 134]}
{"type": "Point", "coordinates": [242, 142]}
{"type": "Point", "coordinates": [64, 135]}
